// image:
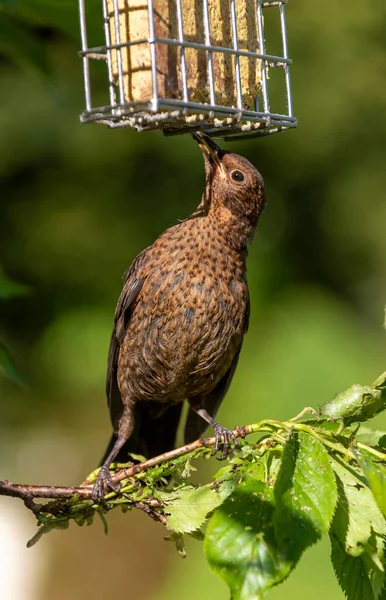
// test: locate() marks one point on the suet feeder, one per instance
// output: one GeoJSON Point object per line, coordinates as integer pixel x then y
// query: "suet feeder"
{"type": "Point", "coordinates": [188, 65]}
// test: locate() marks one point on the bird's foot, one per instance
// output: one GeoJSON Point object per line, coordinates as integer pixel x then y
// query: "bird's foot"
{"type": "Point", "coordinates": [225, 436]}
{"type": "Point", "coordinates": [103, 483]}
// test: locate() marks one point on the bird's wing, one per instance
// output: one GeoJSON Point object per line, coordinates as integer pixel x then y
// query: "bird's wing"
{"type": "Point", "coordinates": [196, 425]}
{"type": "Point", "coordinates": [134, 279]}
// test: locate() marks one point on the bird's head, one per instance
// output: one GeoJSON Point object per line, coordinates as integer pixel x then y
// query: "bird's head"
{"type": "Point", "coordinates": [234, 193]}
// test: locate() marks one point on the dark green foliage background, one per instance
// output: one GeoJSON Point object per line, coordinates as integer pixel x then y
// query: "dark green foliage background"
{"type": "Point", "coordinates": [79, 202]}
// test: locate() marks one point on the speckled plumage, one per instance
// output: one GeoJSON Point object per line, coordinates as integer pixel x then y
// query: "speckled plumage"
{"type": "Point", "coordinates": [182, 315]}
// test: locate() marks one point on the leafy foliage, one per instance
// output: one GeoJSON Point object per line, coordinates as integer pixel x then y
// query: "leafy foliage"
{"type": "Point", "coordinates": [240, 543]}
{"type": "Point", "coordinates": [189, 511]}
{"type": "Point", "coordinates": [357, 536]}
{"type": "Point", "coordinates": [271, 500]}
{"type": "Point", "coordinates": [374, 471]}
{"type": "Point", "coordinates": [358, 403]}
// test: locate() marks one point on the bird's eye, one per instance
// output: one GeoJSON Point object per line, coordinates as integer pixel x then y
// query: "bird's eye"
{"type": "Point", "coordinates": [237, 176]}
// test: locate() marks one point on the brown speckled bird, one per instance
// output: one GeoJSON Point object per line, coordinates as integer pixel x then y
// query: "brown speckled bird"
{"type": "Point", "coordinates": [181, 318]}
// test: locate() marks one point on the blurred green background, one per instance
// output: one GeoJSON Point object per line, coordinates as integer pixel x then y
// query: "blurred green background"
{"type": "Point", "coordinates": [78, 202]}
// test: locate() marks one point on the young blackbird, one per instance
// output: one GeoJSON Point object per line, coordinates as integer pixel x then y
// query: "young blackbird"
{"type": "Point", "coordinates": [181, 318]}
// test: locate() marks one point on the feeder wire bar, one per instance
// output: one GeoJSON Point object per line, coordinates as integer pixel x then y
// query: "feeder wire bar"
{"type": "Point", "coordinates": [275, 60]}
{"type": "Point", "coordinates": [264, 81]}
{"type": "Point", "coordinates": [274, 3]}
{"type": "Point", "coordinates": [210, 55]}
{"type": "Point", "coordinates": [237, 58]}
{"type": "Point", "coordinates": [285, 55]}
{"type": "Point", "coordinates": [113, 99]}
{"type": "Point", "coordinates": [153, 56]}
{"type": "Point", "coordinates": [119, 53]}
{"type": "Point", "coordinates": [86, 66]}
{"type": "Point", "coordinates": [183, 61]}
{"type": "Point", "coordinates": [174, 103]}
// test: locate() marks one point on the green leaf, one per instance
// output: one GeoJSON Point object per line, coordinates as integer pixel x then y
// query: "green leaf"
{"type": "Point", "coordinates": [357, 536]}
{"type": "Point", "coordinates": [305, 494]}
{"type": "Point", "coordinates": [326, 424]}
{"type": "Point", "coordinates": [104, 522]}
{"type": "Point", "coordinates": [226, 480]}
{"type": "Point", "coordinates": [254, 544]}
{"type": "Point", "coordinates": [358, 403]}
{"type": "Point", "coordinates": [240, 543]}
{"type": "Point", "coordinates": [190, 510]}
{"type": "Point", "coordinates": [11, 289]}
{"type": "Point", "coordinates": [371, 437]}
{"type": "Point", "coordinates": [375, 473]}
{"type": "Point", "coordinates": [188, 468]}
{"type": "Point", "coordinates": [179, 542]}
{"type": "Point", "coordinates": [7, 366]}
{"type": "Point", "coordinates": [380, 382]}
{"type": "Point", "coordinates": [352, 573]}
{"type": "Point", "coordinates": [54, 524]}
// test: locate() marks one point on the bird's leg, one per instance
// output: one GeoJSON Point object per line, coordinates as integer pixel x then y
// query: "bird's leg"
{"type": "Point", "coordinates": [221, 433]}
{"type": "Point", "coordinates": [104, 479]}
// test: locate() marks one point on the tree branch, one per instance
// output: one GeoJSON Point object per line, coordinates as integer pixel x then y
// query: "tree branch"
{"type": "Point", "coordinates": [28, 493]}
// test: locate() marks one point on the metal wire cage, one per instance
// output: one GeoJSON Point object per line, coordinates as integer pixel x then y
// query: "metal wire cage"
{"type": "Point", "coordinates": [188, 65]}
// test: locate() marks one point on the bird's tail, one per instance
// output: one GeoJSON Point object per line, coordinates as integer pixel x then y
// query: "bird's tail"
{"type": "Point", "coordinates": [151, 436]}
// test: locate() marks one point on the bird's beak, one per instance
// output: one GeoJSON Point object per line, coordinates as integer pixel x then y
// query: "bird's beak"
{"type": "Point", "coordinates": [212, 153]}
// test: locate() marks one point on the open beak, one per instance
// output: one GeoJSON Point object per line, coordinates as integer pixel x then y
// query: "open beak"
{"type": "Point", "coordinates": [212, 153]}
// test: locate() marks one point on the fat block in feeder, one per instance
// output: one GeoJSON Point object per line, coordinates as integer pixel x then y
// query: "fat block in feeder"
{"type": "Point", "coordinates": [132, 26]}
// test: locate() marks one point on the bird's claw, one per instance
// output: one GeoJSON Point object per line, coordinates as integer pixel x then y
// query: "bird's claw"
{"type": "Point", "coordinates": [225, 436]}
{"type": "Point", "coordinates": [104, 481]}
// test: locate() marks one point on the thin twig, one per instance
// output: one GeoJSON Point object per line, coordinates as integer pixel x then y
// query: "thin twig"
{"type": "Point", "coordinates": [370, 450]}
{"type": "Point", "coordinates": [53, 492]}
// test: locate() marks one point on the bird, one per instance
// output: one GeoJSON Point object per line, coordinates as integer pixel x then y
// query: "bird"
{"type": "Point", "coordinates": [181, 318]}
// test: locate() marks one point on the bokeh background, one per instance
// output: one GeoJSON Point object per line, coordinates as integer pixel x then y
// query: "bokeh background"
{"type": "Point", "coordinates": [78, 202]}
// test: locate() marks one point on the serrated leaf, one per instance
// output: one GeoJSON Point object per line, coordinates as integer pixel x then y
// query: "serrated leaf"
{"type": "Point", "coordinates": [352, 573]}
{"type": "Point", "coordinates": [305, 494]}
{"type": "Point", "coordinates": [375, 473]}
{"type": "Point", "coordinates": [197, 535]}
{"type": "Point", "coordinates": [226, 480]}
{"type": "Point", "coordinates": [357, 536]}
{"type": "Point", "coordinates": [240, 543]}
{"type": "Point", "coordinates": [358, 403]}
{"type": "Point", "coordinates": [190, 510]}
{"type": "Point", "coordinates": [8, 367]}
{"type": "Point", "coordinates": [363, 513]}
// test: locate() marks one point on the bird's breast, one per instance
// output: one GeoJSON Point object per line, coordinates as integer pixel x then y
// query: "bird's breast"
{"type": "Point", "coordinates": [187, 325]}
